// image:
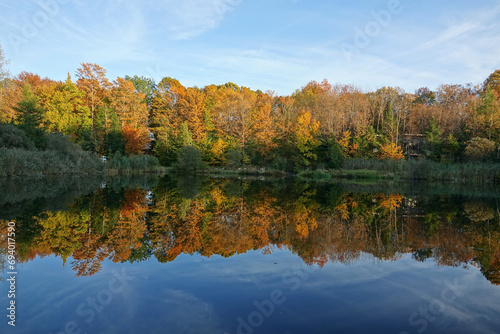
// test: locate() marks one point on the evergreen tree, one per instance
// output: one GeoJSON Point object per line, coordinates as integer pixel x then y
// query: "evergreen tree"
{"type": "Point", "coordinates": [330, 153]}
{"type": "Point", "coordinates": [450, 148]}
{"type": "Point", "coordinates": [30, 115]}
{"type": "Point", "coordinates": [168, 145]}
{"type": "Point", "coordinates": [390, 124]}
{"type": "Point", "coordinates": [434, 142]}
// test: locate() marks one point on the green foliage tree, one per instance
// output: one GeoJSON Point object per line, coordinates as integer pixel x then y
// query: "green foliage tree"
{"type": "Point", "coordinates": [185, 137]}
{"type": "Point", "coordinates": [61, 143]}
{"type": "Point", "coordinates": [163, 148]}
{"type": "Point", "coordinates": [425, 96]}
{"type": "Point", "coordinates": [30, 115]}
{"type": "Point", "coordinates": [147, 86]}
{"type": "Point", "coordinates": [489, 113]}
{"type": "Point", "coordinates": [368, 144]}
{"type": "Point", "coordinates": [115, 141]}
{"type": "Point", "coordinates": [65, 110]}
{"type": "Point", "coordinates": [493, 83]}
{"type": "Point", "coordinates": [108, 136]}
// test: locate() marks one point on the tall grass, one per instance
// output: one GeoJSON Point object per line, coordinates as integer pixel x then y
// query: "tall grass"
{"type": "Point", "coordinates": [475, 172]}
{"type": "Point", "coordinates": [388, 166]}
{"type": "Point", "coordinates": [122, 163]}
{"type": "Point", "coordinates": [247, 170]}
{"type": "Point", "coordinates": [22, 162]}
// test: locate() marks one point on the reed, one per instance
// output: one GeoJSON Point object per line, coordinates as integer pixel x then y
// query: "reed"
{"type": "Point", "coordinates": [22, 162]}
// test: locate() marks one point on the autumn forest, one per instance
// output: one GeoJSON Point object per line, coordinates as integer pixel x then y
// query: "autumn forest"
{"type": "Point", "coordinates": [319, 126]}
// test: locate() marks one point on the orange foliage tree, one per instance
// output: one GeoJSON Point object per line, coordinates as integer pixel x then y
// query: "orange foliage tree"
{"type": "Point", "coordinates": [136, 139]}
{"type": "Point", "coordinates": [132, 111]}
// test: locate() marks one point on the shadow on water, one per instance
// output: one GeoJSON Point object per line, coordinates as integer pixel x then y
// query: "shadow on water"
{"type": "Point", "coordinates": [52, 193]}
{"type": "Point", "coordinates": [20, 195]}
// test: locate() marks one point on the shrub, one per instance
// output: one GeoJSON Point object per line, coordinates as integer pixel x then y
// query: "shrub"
{"type": "Point", "coordinates": [279, 163]}
{"type": "Point", "coordinates": [13, 137]}
{"type": "Point", "coordinates": [234, 158]}
{"type": "Point", "coordinates": [61, 143]}
{"type": "Point", "coordinates": [479, 148]}
{"type": "Point", "coordinates": [189, 159]}
{"type": "Point", "coordinates": [118, 161]}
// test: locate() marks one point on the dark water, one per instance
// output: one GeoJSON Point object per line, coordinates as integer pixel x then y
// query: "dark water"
{"type": "Point", "coordinates": [199, 255]}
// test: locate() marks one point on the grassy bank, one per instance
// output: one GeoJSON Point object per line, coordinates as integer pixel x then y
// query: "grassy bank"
{"type": "Point", "coordinates": [247, 170]}
{"type": "Point", "coordinates": [477, 173]}
{"type": "Point", "coordinates": [373, 170]}
{"type": "Point", "coordinates": [19, 162]}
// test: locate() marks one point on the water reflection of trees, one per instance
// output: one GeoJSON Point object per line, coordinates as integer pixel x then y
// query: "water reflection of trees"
{"type": "Point", "coordinates": [224, 217]}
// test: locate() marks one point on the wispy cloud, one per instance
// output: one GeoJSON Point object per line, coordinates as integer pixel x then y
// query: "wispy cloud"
{"type": "Point", "coordinates": [191, 18]}
{"type": "Point", "coordinates": [174, 20]}
{"type": "Point", "coordinates": [452, 33]}
{"type": "Point", "coordinates": [460, 50]}
{"type": "Point", "coordinates": [264, 45]}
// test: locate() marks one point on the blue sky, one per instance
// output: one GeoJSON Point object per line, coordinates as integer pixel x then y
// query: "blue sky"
{"type": "Point", "coordinates": [275, 45]}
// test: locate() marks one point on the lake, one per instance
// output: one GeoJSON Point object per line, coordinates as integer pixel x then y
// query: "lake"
{"type": "Point", "coordinates": [248, 255]}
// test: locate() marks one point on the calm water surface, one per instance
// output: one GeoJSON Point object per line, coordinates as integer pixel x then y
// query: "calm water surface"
{"type": "Point", "coordinates": [200, 255]}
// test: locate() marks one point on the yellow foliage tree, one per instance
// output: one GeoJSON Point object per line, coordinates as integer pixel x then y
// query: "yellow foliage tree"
{"type": "Point", "coordinates": [390, 151]}
{"type": "Point", "coordinates": [306, 133]}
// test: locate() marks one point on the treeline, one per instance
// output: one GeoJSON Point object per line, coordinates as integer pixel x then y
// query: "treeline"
{"type": "Point", "coordinates": [318, 126]}
{"type": "Point", "coordinates": [49, 127]}
{"type": "Point", "coordinates": [223, 217]}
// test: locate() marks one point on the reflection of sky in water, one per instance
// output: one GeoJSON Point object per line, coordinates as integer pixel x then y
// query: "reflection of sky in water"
{"type": "Point", "coordinates": [194, 294]}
